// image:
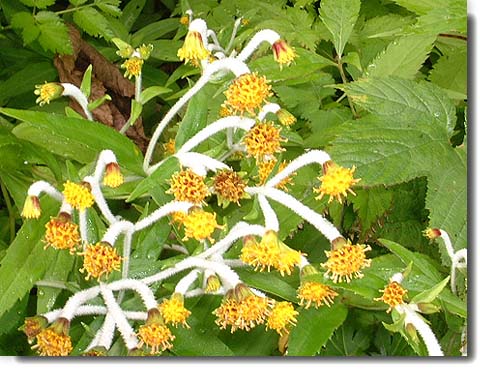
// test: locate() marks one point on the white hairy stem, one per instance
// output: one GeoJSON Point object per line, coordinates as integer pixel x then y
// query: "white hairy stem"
{"type": "Point", "coordinates": [303, 262]}
{"type": "Point", "coordinates": [78, 299]}
{"type": "Point", "coordinates": [39, 187]}
{"type": "Point", "coordinates": [75, 93]}
{"type": "Point", "coordinates": [268, 108]}
{"type": "Point", "coordinates": [271, 220]}
{"type": "Point", "coordinates": [201, 291]}
{"type": "Point", "coordinates": [178, 248]}
{"type": "Point", "coordinates": [236, 25]}
{"type": "Point", "coordinates": [82, 220]}
{"type": "Point", "coordinates": [161, 212]}
{"type": "Point", "coordinates": [266, 35]}
{"type": "Point", "coordinates": [138, 89]}
{"type": "Point", "coordinates": [459, 255]}
{"type": "Point", "coordinates": [100, 199]}
{"type": "Point", "coordinates": [397, 277]}
{"type": "Point", "coordinates": [185, 283]}
{"type": "Point", "coordinates": [235, 263]}
{"type": "Point", "coordinates": [448, 243]}
{"type": "Point", "coordinates": [104, 336]}
{"type": "Point", "coordinates": [199, 163]}
{"type": "Point", "coordinates": [216, 44]}
{"type": "Point", "coordinates": [115, 229]}
{"type": "Point", "coordinates": [139, 287]}
{"type": "Point", "coordinates": [53, 315]}
{"type": "Point", "coordinates": [105, 157]}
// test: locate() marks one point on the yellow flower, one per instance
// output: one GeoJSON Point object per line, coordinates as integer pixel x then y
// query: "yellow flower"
{"type": "Point", "coordinates": [132, 66]}
{"type": "Point", "coordinates": [54, 341]}
{"type": "Point", "coordinates": [96, 351]}
{"type": "Point", "coordinates": [227, 314]}
{"type": "Point", "coordinates": [282, 316]}
{"type": "Point", "coordinates": [48, 92]}
{"type": "Point", "coordinates": [287, 260]}
{"type": "Point", "coordinates": [347, 262]}
{"type": "Point", "coordinates": [200, 225]}
{"type": "Point", "coordinates": [31, 208]}
{"type": "Point", "coordinates": [265, 169]}
{"type": "Point", "coordinates": [100, 259]}
{"type": "Point", "coordinates": [263, 139]}
{"type": "Point", "coordinates": [186, 185]}
{"type": "Point", "coordinates": [157, 336]}
{"type": "Point", "coordinates": [314, 292]}
{"type": "Point", "coordinates": [392, 295]}
{"type": "Point", "coordinates": [432, 233]}
{"type": "Point", "coordinates": [169, 147]}
{"type": "Point", "coordinates": [283, 53]}
{"type": "Point", "coordinates": [247, 93]}
{"type": "Point", "coordinates": [113, 176]}
{"type": "Point", "coordinates": [261, 255]}
{"type": "Point", "coordinates": [336, 182]}
{"type": "Point", "coordinates": [33, 326]}
{"type": "Point", "coordinates": [229, 186]}
{"type": "Point", "coordinates": [145, 51]}
{"type": "Point", "coordinates": [193, 50]}
{"type": "Point", "coordinates": [78, 196]}
{"type": "Point", "coordinates": [286, 118]}
{"type": "Point", "coordinates": [213, 284]}
{"type": "Point", "coordinates": [184, 20]}
{"type": "Point", "coordinates": [225, 112]}
{"type": "Point", "coordinates": [174, 312]}
{"type": "Point", "coordinates": [61, 233]}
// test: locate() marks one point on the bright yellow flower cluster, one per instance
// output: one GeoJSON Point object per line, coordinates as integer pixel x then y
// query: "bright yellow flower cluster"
{"type": "Point", "coordinates": [169, 147]}
{"type": "Point", "coordinates": [186, 185]}
{"type": "Point", "coordinates": [247, 93]}
{"type": "Point", "coordinates": [263, 140]}
{"type": "Point", "coordinates": [283, 53]}
{"type": "Point", "coordinates": [174, 312]}
{"type": "Point", "coordinates": [113, 176]}
{"type": "Point", "coordinates": [314, 292]}
{"type": "Point", "coordinates": [100, 259]}
{"type": "Point", "coordinates": [61, 233]}
{"type": "Point", "coordinates": [229, 186]}
{"type": "Point", "coordinates": [286, 118]}
{"type": "Point", "coordinates": [54, 341]}
{"type": "Point", "coordinates": [200, 225]}
{"type": "Point", "coordinates": [157, 336]}
{"type": "Point", "coordinates": [193, 49]}
{"type": "Point", "coordinates": [282, 316]}
{"type": "Point", "coordinates": [48, 92]}
{"type": "Point", "coordinates": [132, 66]}
{"type": "Point", "coordinates": [265, 169]}
{"type": "Point", "coordinates": [346, 263]}
{"type": "Point", "coordinates": [77, 195]}
{"type": "Point", "coordinates": [31, 208]}
{"type": "Point", "coordinates": [336, 182]}
{"type": "Point", "coordinates": [392, 295]}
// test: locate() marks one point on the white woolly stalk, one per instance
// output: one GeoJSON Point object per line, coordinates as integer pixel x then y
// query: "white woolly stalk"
{"type": "Point", "coordinates": [178, 248]}
{"type": "Point", "coordinates": [66, 208]}
{"type": "Point", "coordinates": [82, 223]}
{"type": "Point", "coordinates": [161, 212]}
{"type": "Point", "coordinates": [78, 299]}
{"type": "Point", "coordinates": [455, 257]}
{"type": "Point", "coordinates": [412, 317]}
{"type": "Point", "coordinates": [201, 291]}
{"type": "Point", "coordinates": [117, 228]}
{"type": "Point", "coordinates": [268, 108]}
{"type": "Point", "coordinates": [235, 263]}
{"type": "Point", "coordinates": [266, 35]}
{"type": "Point", "coordinates": [185, 283]}
{"type": "Point", "coordinates": [315, 219]}
{"type": "Point", "coordinates": [235, 66]}
{"type": "Point", "coordinates": [216, 44]}
{"type": "Point", "coordinates": [397, 277]}
{"type": "Point", "coordinates": [104, 336]}
{"type": "Point", "coordinates": [53, 315]}
{"type": "Point", "coordinates": [224, 244]}
{"type": "Point", "coordinates": [164, 274]}
{"type": "Point", "coordinates": [448, 243]}
{"type": "Point", "coordinates": [106, 157]}
{"type": "Point", "coordinates": [199, 163]}
{"type": "Point", "coordinates": [100, 199]}
{"type": "Point", "coordinates": [127, 248]}
{"type": "Point", "coordinates": [75, 93]}
{"type": "Point", "coordinates": [139, 287]}
{"type": "Point", "coordinates": [236, 25]}
{"type": "Point", "coordinates": [138, 89]}
{"type": "Point", "coordinates": [125, 329]}
{"type": "Point", "coordinates": [215, 127]}
{"type": "Point", "coordinates": [39, 187]}
{"type": "Point", "coordinates": [313, 156]}
{"type": "Point", "coordinates": [271, 220]}
{"type": "Point", "coordinates": [303, 262]}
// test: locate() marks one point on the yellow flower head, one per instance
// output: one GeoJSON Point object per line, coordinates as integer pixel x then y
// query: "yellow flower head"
{"type": "Point", "coordinates": [225, 112]}
{"type": "Point", "coordinates": [314, 292]}
{"type": "Point", "coordinates": [96, 351]}
{"type": "Point", "coordinates": [265, 169]}
{"type": "Point", "coordinates": [31, 208]}
{"type": "Point", "coordinates": [33, 326]}
{"type": "Point", "coordinates": [100, 259]}
{"type": "Point", "coordinates": [282, 316]}
{"type": "Point", "coordinates": [229, 186]}
{"type": "Point", "coordinates": [77, 195]}
{"type": "Point", "coordinates": [157, 336]}
{"type": "Point", "coordinates": [286, 118]}
{"type": "Point", "coordinates": [247, 93]}
{"type": "Point", "coordinates": [213, 284]}
{"type": "Point", "coordinates": [263, 139]}
{"type": "Point", "coordinates": [200, 225]}
{"type": "Point", "coordinates": [186, 185]}
{"type": "Point", "coordinates": [54, 341]}
{"type": "Point", "coordinates": [432, 233]}
{"type": "Point", "coordinates": [132, 66]}
{"type": "Point", "coordinates": [346, 262]}
{"type": "Point", "coordinates": [193, 50]}
{"type": "Point", "coordinates": [113, 176]}
{"type": "Point", "coordinates": [145, 51]}
{"type": "Point", "coordinates": [392, 295]}
{"type": "Point", "coordinates": [184, 20]}
{"type": "Point", "coordinates": [336, 182]}
{"type": "Point", "coordinates": [174, 312]}
{"type": "Point", "coordinates": [169, 147]}
{"type": "Point", "coordinates": [48, 92]}
{"type": "Point", "coordinates": [283, 53]}
{"type": "Point", "coordinates": [287, 260]}
{"type": "Point", "coordinates": [261, 255]}
{"type": "Point", "coordinates": [227, 314]}
{"type": "Point", "coordinates": [61, 233]}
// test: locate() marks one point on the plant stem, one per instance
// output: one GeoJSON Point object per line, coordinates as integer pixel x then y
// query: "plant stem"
{"type": "Point", "coordinates": [345, 81]}
{"type": "Point", "coordinates": [11, 214]}
{"type": "Point", "coordinates": [69, 10]}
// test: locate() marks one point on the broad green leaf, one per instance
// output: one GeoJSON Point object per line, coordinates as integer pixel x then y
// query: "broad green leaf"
{"type": "Point", "coordinates": [26, 260]}
{"type": "Point", "coordinates": [12, 320]}
{"type": "Point", "coordinates": [313, 329]}
{"type": "Point", "coordinates": [135, 111]}
{"type": "Point", "coordinates": [385, 26]}
{"type": "Point", "coordinates": [422, 6]}
{"type": "Point", "coordinates": [450, 73]}
{"type": "Point", "coordinates": [340, 16]}
{"type": "Point", "coordinates": [53, 33]}
{"type": "Point", "coordinates": [193, 342]}
{"type": "Point", "coordinates": [41, 4]}
{"type": "Point", "coordinates": [93, 22]}
{"type": "Point", "coordinates": [110, 7]}
{"type": "Point", "coordinates": [86, 85]}
{"type": "Point", "coordinates": [26, 23]}
{"type": "Point", "coordinates": [73, 138]}
{"type": "Point", "coordinates": [256, 342]}
{"type": "Point", "coordinates": [151, 92]}
{"type": "Point", "coordinates": [402, 58]}
{"type": "Point", "coordinates": [452, 18]}
{"type": "Point", "coordinates": [154, 31]}
{"type": "Point", "coordinates": [166, 50]}
{"type": "Point", "coordinates": [324, 125]}
{"type": "Point", "coordinates": [131, 11]}
{"type": "Point", "coordinates": [430, 294]}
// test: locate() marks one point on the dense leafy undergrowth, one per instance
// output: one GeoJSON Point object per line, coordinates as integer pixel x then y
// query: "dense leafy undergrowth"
{"type": "Point", "coordinates": [189, 240]}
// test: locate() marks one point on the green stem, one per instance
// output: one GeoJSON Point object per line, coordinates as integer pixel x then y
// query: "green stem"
{"type": "Point", "coordinates": [53, 284]}
{"type": "Point", "coordinates": [11, 214]}
{"type": "Point", "coordinates": [69, 10]}
{"type": "Point", "coordinates": [345, 81]}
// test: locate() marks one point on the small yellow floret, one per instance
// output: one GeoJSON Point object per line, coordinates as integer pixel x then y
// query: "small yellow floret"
{"type": "Point", "coordinates": [174, 312]}
{"type": "Point", "coordinates": [213, 284]}
{"type": "Point", "coordinates": [261, 255]}
{"type": "Point", "coordinates": [283, 53]}
{"type": "Point", "coordinates": [227, 314]}
{"type": "Point", "coordinates": [157, 336]}
{"type": "Point", "coordinates": [31, 208]}
{"type": "Point", "coordinates": [78, 196]}
{"type": "Point", "coordinates": [169, 147]}
{"type": "Point", "coordinates": [52, 343]}
{"type": "Point", "coordinates": [186, 185]}
{"type": "Point", "coordinates": [61, 233]}
{"type": "Point", "coordinates": [132, 66]}
{"type": "Point", "coordinates": [200, 225]}
{"type": "Point", "coordinates": [263, 140]}
{"type": "Point", "coordinates": [184, 20]}
{"type": "Point", "coordinates": [100, 259]}
{"type": "Point", "coordinates": [193, 50]}
{"type": "Point", "coordinates": [113, 176]}
{"type": "Point", "coordinates": [287, 260]}
{"type": "Point", "coordinates": [247, 93]}
{"type": "Point", "coordinates": [48, 92]}
{"type": "Point", "coordinates": [392, 295]}
{"type": "Point", "coordinates": [346, 263]}
{"type": "Point", "coordinates": [432, 233]}
{"type": "Point", "coordinates": [282, 316]}
{"type": "Point", "coordinates": [315, 292]}
{"type": "Point", "coordinates": [265, 169]}
{"type": "Point", "coordinates": [336, 182]}
{"type": "Point", "coordinates": [229, 185]}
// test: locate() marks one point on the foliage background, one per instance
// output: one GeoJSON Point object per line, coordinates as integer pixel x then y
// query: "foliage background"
{"type": "Point", "coordinates": [403, 124]}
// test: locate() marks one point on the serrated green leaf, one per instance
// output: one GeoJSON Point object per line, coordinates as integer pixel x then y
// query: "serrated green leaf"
{"type": "Point", "coordinates": [450, 73]}
{"type": "Point", "coordinates": [26, 23]}
{"type": "Point", "coordinates": [452, 18]}
{"type": "Point", "coordinates": [324, 125]}
{"type": "Point", "coordinates": [422, 6]}
{"type": "Point", "coordinates": [313, 329]}
{"type": "Point", "coordinates": [86, 85]}
{"type": "Point", "coordinates": [77, 2]}
{"type": "Point", "coordinates": [402, 58]}
{"type": "Point", "coordinates": [53, 33]}
{"type": "Point", "coordinates": [151, 92]}
{"type": "Point", "coordinates": [77, 139]}
{"type": "Point", "coordinates": [386, 26]}
{"type": "Point", "coordinates": [93, 22]}
{"type": "Point", "coordinates": [110, 7]}
{"type": "Point", "coordinates": [340, 16]}
{"type": "Point", "coordinates": [40, 4]}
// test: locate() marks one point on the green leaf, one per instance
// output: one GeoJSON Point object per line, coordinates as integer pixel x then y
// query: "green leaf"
{"type": "Point", "coordinates": [314, 328]}
{"type": "Point", "coordinates": [110, 7]}
{"type": "Point", "coordinates": [53, 33]}
{"type": "Point", "coordinates": [26, 261]}
{"type": "Point", "coordinates": [192, 342]}
{"type": "Point", "coordinates": [450, 73]}
{"type": "Point", "coordinates": [403, 57]}
{"type": "Point", "coordinates": [430, 294]}
{"type": "Point", "coordinates": [340, 16]}
{"type": "Point", "coordinates": [135, 111]}
{"type": "Point", "coordinates": [422, 6]}
{"type": "Point", "coordinates": [86, 86]}
{"type": "Point", "coordinates": [166, 50]}
{"type": "Point", "coordinates": [452, 18]}
{"type": "Point", "coordinates": [93, 22]}
{"type": "Point", "coordinates": [76, 139]}
{"type": "Point", "coordinates": [77, 2]}
{"type": "Point", "coordinates": [131, 11]}
{"type": "Point", "coordinates": [154, 31]}
{"type": "Point", "coordinates": [26, 23]}
{"type": "Point", "coordinates": [41, 4]}
{"type": "Point", "coordinates": [151, 92]}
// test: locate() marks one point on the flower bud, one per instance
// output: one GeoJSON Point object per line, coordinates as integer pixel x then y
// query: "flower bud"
{"type": "Point", "coordinates": [428, 308]}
